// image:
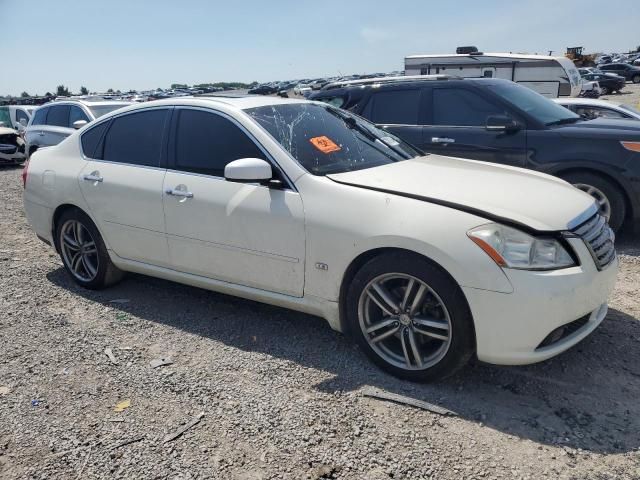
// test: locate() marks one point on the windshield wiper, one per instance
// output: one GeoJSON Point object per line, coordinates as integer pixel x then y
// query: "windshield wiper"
{"type": "Point", "coordinates": [563, 121]}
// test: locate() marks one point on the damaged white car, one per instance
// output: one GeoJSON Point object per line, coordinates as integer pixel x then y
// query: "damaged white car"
{"type": "Point", "coordinates": [12, 147]}
{"type": "Point", "coordinates": [424, 260]}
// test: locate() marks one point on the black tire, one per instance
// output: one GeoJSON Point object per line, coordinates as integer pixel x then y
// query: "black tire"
{"type": "Point", "coordinates": [635, 79]}
{"type": "Point", "coordinates": [106, 272]}
{"type": "Point", "coordinates": [604, 91]}
{"type": "Point", "coordinates": [612, 192]}
{"type": "Point", "coordinates": [462, 333]}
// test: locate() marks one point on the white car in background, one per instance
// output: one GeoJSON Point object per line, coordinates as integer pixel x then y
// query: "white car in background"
{"type": "Point", "coordinates": [53, 122]}
{"type": "Point", "coordinates": [424, 260]}
{"type": "Point", "coordinates": [592, 108]}
{"type": "Point", "coordinates": [16, 116]}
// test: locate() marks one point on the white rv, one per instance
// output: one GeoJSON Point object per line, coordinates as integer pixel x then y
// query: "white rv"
{"type": "Point", "coordinates": [550, 76]}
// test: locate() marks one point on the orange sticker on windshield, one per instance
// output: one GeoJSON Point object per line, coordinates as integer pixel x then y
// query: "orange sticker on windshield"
{"type": "Point", "coordinates": [324, 144]}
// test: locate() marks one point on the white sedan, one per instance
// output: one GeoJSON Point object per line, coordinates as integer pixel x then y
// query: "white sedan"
{"type": "Point", "coordinates": [424, 260]}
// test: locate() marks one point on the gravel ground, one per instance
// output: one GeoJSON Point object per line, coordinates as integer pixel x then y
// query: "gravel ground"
{"type": "Point", "coordinates": [281, 393]}
{"type": "Point", "coordinates": [630, 95]}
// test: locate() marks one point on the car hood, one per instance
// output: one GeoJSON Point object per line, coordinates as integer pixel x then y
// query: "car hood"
{"type": "Point", "coordinates": [496, 192]}
{"type": "Point", "coordinates": [608, 128]}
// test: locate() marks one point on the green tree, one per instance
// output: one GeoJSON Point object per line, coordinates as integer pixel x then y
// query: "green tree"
{"type": "Point", "coordinates": [110, 90]}
{"type": "Point", "coordinates": [24, 95]}
{"type": "Point", "coordinates": [48, 94]}
{"type": "Point", "coordinates": [84, 91]}
{"type": "Point", "coordinates": [63, 91]}
{"type": "Point", "coordinates": [178, 85]}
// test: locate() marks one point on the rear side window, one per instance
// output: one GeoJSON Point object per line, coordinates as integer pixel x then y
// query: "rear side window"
{"type": "Point", "coordinates": [136, 138]}
{"type": "Point", "coordinates": [58, 116]}
{"type": "Point", "coordinates": [400, 107]}
{"type": "Point", "coordinates": [459, 107]}
{"type": "Point", "coordinates": [22, 115]}
{"type": "Point", "coordinates": [40, 117]}
{"type": "Point", "coordinates": [91, 138]}
{"type": "Point", "coordinates": [206, 142]}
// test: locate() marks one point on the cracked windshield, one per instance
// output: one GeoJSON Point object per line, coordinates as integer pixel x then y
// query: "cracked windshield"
{"type": "Point", "coordinates": [325, 140]}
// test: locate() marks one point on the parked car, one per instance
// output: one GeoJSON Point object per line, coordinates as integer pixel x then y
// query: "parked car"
{"type": "Point", "coordinates": [629, 72]}
{"type": "Point", "coordinates": [589, 89]}
{"type": "Point", "coordinates": [15, 116]}
{"type": "Point", "coordinates": [53, 122]}
{"type": "Point", "coordinates": [591, 108]}
{"type": "Point", "coordinates": [499, 121]}
{"type": "Point", "coordinates": [263, 90]}
{"type": "Point", "coordinates": [425, 261]}
{"type": "Point", "coordinates": [12, 147]}
{"type": "Point", "coordinates": [608, 84]}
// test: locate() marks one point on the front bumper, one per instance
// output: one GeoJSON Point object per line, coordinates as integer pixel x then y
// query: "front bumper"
{"type": "Point", "coordinates": [510, 328]}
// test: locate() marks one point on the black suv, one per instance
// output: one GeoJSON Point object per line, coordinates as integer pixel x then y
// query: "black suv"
{"type": "Point", "coordinates": [630, 72]}
{"type": "Point", "coordinates": [500, 121]}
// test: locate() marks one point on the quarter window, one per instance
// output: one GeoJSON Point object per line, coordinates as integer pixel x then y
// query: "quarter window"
{"type": "Point", "coordinates": [206, 142]}
{"type": "Point", "coordinates": [459, 107]}
{"type": "Point", "coordinates": [136, 138]}
{"type": "Point", "coordinates": [58, 116]}
{"type": "Point", "coordinates": [91, 138]}
{"type": "Point", "coordinates": [400, 107]}
{"type": "Point", "coordinates": [22, 115]}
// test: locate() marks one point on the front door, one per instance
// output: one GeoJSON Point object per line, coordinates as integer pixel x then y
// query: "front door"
{"type": "Point", "coordinates": [122, 184]}
{"type": "Point", "coordinates": [457, 128]}
{"type": "Point", "coordinates": [246, 234]}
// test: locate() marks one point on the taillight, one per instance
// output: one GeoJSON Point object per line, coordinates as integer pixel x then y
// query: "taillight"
{"type": "Point", "coordinates": [25, 173]}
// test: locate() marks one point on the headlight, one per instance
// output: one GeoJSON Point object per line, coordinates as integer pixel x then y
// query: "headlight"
{"type": "Point", "coordinates": [512, 248]}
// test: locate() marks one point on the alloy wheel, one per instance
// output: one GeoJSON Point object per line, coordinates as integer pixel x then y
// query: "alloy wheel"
{"type": "Point", "coordinates": [604, 206]}
{"type": "Point", "coordinates": [404, 321]}
{"type": "Point", "coordinates": [79, 250]}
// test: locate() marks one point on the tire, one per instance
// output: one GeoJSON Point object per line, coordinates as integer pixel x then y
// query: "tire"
{"type": "Point", "coordinates": [604, 91]}
{"type": "Point", "coordinates": [90, 265]}
{"type": "Point", "coordinates": [443, 303]}
{"type": "Point", "coordinates": [635, 79]}
{"type": "Point", "coordinates": [602, 186]}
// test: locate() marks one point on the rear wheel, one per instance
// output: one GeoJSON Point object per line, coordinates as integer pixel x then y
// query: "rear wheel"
{"type": "Point", "coordinates": [604, 91]}
{"type": "Point", "coordinates": [610, 199]}
{"type": "Point", "coordinates": [83, 251]}
{"type": "Point", "coordinates": [636, 79]}
{"type": "Point", "coordinates": [409, 317]}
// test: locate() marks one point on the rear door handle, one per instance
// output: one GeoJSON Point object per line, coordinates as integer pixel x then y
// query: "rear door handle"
{"type": "Point", "coordinates": [41, 134]}
{"type": "Point", "coordinates": [179, 193]}
{"type": "Point", "coordinates": [93, 177]}
{"type": "Point", "coordinates": [442, 140]}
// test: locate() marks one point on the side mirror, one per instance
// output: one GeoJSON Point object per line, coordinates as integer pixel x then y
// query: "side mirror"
{"type": "Point", "coordinates": [248, 170]}
{"type": "Point", "coordinates": [502, 123]}
{"type": "Point", "coordinates": [78, 124]}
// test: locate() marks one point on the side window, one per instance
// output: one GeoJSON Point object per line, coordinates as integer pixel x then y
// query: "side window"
{"type": "Point", "coordinates": [5, 118]}
{"type": "Point", "coordinates": [595, 112]}
{"type": "Point", "coordinates": [400, 107]}
{"type": "Point", "coordinates": [91, 138]}
{"type": "Point", "coordinates": [136, 138]}
{"type": "Point", "coordinates": [58, 116]}
{"type": "Point", "coordinates": [40, 117]}
{"type": "Point", "coordinates": [459, 107]}
{"type": "Point", "coordinates": [77, 114]}
{"type": "Point", "coordinates": [206, 142]}
{"type": "Point", "coordinates": [22, 115]}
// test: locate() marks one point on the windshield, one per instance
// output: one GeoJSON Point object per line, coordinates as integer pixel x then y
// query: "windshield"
{"type": "Point", "coordinates": [100, 110]}
{"type": "Point", "coordinates": [541, 108]}
{"type": "Point", "coordinates": [326, 140]}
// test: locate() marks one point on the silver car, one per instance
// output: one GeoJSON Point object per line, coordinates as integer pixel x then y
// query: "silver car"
{"type": "Point", "coordinates": [55, 121]}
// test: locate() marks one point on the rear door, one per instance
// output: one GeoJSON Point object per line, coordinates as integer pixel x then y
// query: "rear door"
{"type": "Point", "coordinates": [458, 119]}
{"type": "Point", "coordinates": [397, 110]}
{"type": "Point", "coordinates": [122, 183]}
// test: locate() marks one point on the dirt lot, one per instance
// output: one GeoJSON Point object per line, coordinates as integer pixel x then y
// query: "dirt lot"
{"type": "Point", "coordinates": [280, 391]}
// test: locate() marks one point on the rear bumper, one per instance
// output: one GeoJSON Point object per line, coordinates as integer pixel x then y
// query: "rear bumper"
{"type": "Point", "coordinates": [510, 328]}
{"type": "Point", "coordinates": [12, 158]}
{"type": "Point", "coordinates": [40, 219]}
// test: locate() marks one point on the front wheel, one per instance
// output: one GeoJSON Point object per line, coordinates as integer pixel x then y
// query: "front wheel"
{"type": "Point", "coordinates": [610, 199]}
{"type": "Point", "coordinates": [409, 317]}
{"type": "Point", "coordinates": [636, 79]}
{"type": "Point", "coordinates": [83, 251]}
{"type": "Point", "coordinates": [604, 90]}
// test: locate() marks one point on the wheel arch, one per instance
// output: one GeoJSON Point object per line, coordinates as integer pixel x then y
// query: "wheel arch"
{"type": "Point", "coordinates": [358, 262]}
{"type": "Point", "coordinates": [631, 208]}
{"type": "Point", "coordinates": [57, 213]}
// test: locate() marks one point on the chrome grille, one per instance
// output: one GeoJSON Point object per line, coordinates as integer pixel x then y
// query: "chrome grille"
{"type": "Point", "coordinates": [599, 239]}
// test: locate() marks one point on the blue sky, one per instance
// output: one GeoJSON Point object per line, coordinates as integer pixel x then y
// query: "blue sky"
{"type": "Point", "coordinates": [141, 45]}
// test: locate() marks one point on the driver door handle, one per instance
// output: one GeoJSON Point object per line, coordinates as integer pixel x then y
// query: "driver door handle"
{"type": "Point", "coordinates": [442, 140]}
{"type": "Point", "coordinates": [93, 177]}
{"type": "Point", "coordinates": [179, 193]}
